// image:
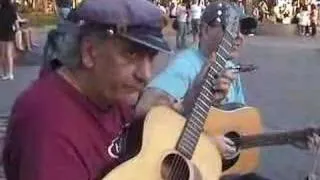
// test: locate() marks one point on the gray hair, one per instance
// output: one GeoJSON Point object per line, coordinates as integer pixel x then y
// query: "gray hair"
{"type": "Point", "coordinates": [64, 42]}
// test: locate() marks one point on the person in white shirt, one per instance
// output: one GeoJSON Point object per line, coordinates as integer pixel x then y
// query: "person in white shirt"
{"type": "Point", "coordinates": [162, 8]}
{"type": "Point", "coordinates": [173, 10]}
{"type": "Point", "coordinates": [182, 17]}
{"type": "Point", "coordinates": [304, 21]}
{"type": "Point", "coordinates": [196, 12]}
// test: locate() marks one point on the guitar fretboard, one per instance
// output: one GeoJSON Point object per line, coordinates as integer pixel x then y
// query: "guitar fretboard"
{"type": "Point", "coordinates": [278, 138]}
{"type": "Point", "coordinates": [196, 119]}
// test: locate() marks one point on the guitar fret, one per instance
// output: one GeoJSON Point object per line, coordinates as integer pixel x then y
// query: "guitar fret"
{"type": "Point", "coordinates": [222, 59]}
{"type": "Point", "coordinates": [199, 106]}
{"type": "Point", "coordinates": [209, 82]}
{"type": "Point", "coordinates": [210, 76]}
{"type": "Point", "coordinates": [227, 45]}
{"type": "Point", "coordinates": [185, 151]}
{"type": "Point", "coordinates": [196, 118]}
{"type": "Point", "coordinates": [214, 70]}
{"type": "Point", "coordinates": [207, 90]}
{"type": "Point", "coordinates": [190, 137]}
{"type": "Point", "coordinates": [222, 48]}
{"type": "Point", "coordinates": [224, 40]}
{"type": "Point", "coordinates": [219, 65]}
{"type": "Point", "coordinates": [205, 96]}
{"type": "Point", "coordinates": [194, 110]}
{"type": "Point", "coordinates": [202, 102]}
{"type": "Point", "coordinates": [188, 144]}
{"type": "Point", "coordinates": [197, 128]}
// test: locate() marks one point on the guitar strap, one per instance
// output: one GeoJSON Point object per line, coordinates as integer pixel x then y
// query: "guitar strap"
{"type": "Point", "coordinates": [130, 139]}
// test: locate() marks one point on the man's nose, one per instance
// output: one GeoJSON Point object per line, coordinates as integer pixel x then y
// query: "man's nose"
{"type": "Point", "coordinates": [144, 70]}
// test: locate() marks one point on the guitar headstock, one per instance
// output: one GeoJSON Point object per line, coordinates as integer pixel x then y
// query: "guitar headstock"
{"type": "Point", "coordinates": [301, 137]}
{"type": "Point", "coordinates": [233, 21]}
{"type": "Point", "coordinates": [312, 130]}
{"type": "Point", "coordinates": [224, 13]}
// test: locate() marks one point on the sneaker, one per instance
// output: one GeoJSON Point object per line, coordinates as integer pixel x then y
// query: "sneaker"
{"type": "Point", "coordinates": [7, 77]}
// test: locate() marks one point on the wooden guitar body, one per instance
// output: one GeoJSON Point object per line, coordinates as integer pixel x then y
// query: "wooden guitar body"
{"type": "Point", "coordinates": [239, 121]}
{"type": "Point", "coordinates": [162, 129]}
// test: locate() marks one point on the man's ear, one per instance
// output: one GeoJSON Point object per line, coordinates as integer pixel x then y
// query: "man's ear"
{"type": "Point", "coordinates": [89, 53]}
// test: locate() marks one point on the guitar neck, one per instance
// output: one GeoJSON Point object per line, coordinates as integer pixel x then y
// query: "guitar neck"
{"type": "Point", "coordinates": [271, 139]}
{"type": "Point", "coordinates": [198, 115]}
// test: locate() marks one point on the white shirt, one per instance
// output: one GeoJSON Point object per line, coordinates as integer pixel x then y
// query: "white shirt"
{"type": "Point", "coordinates": [196, 11]}
{"type": "Point", "coordinates": [162, 9]}
{"type": "Point", "coordinates": [304, 18]}
{"type": "Point", "coordinates": [182, 13]}
{"type": "Point", "coordinates": [173, 11]}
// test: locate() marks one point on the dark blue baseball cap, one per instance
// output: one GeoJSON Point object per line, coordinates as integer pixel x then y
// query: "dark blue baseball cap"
{"type": "Point", "coordinates": [136, 20]}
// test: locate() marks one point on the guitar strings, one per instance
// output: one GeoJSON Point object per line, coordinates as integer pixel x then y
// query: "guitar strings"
{"type": "Point", "coordinates": [176, 165]}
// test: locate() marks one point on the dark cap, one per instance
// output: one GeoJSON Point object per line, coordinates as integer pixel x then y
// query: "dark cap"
{"type": "Point", "coordinates": [136, 20]}
{"type": "Point", "coordinates": [223, 13]}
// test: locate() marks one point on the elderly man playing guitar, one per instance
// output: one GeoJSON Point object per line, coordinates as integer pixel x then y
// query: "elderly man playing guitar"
{"type": "Point", "coordinates": [181, 79]}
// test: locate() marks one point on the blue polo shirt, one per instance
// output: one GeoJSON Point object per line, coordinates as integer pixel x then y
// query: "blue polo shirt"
{"type": "Point", "coordinates": [180, 74]}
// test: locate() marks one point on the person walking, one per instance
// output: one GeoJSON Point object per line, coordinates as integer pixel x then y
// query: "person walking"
{"type": "Point", "coordinates": [8, 26]}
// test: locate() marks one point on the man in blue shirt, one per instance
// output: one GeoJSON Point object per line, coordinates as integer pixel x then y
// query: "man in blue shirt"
{"type": "Point", "coordinates": [181, 73]}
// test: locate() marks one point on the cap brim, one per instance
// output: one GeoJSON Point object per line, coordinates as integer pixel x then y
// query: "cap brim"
{"type": "Point", "coordinates": [148, 40]}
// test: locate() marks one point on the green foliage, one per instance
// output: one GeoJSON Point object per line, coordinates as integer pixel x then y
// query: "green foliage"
{"type": "Point", "coordinates": [41, 19]}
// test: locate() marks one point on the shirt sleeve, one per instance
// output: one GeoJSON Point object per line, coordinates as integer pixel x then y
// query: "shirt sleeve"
{"type": "Point", "coordinates": [236, 92]}
{"type": "Point", "coordinates": [177, 78]}
{"type": "Point", "coordinates": [239, 94]}
{"type": "Point", "coordinates": [36, 154]}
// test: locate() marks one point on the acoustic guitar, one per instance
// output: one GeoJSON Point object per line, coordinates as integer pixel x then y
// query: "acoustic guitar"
{"type": "Point", "coordinates": [242, 124]}
{"type": "Point", "coordinates": [174, 147]}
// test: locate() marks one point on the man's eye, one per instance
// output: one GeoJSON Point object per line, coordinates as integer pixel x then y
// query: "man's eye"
{"type": "Point", "coordinates": [132, 55]}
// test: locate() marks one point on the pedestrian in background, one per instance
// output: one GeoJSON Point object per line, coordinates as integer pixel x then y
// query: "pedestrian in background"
{"type": "Point", "coordinates": [182, 29]}
{"type": "Point", "coordinates": [8, 27]}
{"type": "Point", "coordinates": [196, 11]}
{"type": "Point", "coordinates": [314, 19]}
{"type": "Point", "coordinates": [63, 8]}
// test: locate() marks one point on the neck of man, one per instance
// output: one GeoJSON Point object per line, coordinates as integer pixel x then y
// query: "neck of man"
{"type": "Point", "coordinates": [83, 84]}
{"type": "Point", "coordinates": [205, 51]}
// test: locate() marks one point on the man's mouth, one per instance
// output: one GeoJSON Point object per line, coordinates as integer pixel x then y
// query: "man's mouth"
{"type": "Point", "coordinates": [134, 88]}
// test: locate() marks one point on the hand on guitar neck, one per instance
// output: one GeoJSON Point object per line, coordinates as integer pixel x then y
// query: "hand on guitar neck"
{"type": "Point", "coordinates": [229, 150]}
{"type": "Point", "coordinates": [312, 144]}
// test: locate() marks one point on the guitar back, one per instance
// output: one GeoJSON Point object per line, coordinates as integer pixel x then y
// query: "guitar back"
{"type": "Point", "coordinates": [241, 121]}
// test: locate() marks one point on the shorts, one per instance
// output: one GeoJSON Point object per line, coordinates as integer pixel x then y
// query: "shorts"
{"type": "Point", "coordinates": [195, 25]}
{"type": "Point", "coordinates": [7, 36]}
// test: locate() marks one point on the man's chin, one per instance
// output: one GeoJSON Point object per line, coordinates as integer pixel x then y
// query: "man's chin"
{"type": "Point", "coordinates": [130, 99]}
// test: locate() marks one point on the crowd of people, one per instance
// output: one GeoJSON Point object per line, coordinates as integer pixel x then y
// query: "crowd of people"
{"type": "Point", "coordinates": [305, 15]}
{"type": "Point", "coordinates": [186, 17]}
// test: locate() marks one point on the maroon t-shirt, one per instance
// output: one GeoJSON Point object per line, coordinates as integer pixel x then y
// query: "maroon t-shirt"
{"type": "Point", "coordinates": [57, 133]}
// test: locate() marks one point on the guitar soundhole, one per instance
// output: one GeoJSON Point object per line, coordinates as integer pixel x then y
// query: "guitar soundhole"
{"type": "Point", "coordinates": [175, 167]}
